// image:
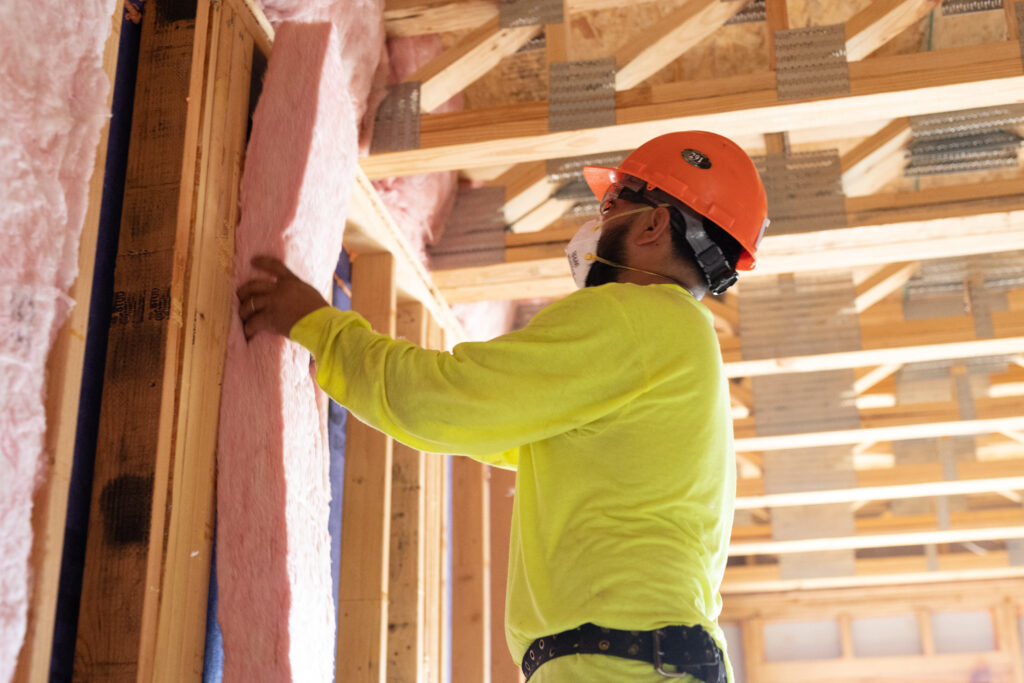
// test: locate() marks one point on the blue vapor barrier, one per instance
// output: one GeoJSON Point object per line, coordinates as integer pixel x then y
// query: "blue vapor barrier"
{"type": "Point", "coordinates": [213, 660]}
{"type": "Point", "coordinates": [80, 487]}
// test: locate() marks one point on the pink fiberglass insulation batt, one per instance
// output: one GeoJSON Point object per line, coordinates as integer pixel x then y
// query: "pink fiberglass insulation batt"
{"type": "Point", "coordinates": [273, 566]}
{"type": "Point", "coordinates": [52, 109]}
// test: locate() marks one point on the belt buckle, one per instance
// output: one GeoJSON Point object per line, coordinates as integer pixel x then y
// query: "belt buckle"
{"type": "Point", "coordinates": [659, 667]}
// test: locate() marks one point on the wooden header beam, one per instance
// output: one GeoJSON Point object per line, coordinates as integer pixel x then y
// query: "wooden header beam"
{"type": "Point", "coordinates": [877, 572]}
{"type": "Point", "coordinates": [875, 541]}
{"type": "Point", "coordinates": [902, 85]}
{"type": "Point", "coordinates": [903, 432]}
{"type": "Point", "coordinates": [855, 359]}
{"type": "Point", "coordinates": [868, 493]}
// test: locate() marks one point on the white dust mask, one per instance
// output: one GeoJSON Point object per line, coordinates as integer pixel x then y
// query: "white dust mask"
{"type": "Point", "coordinates": [582, 248]}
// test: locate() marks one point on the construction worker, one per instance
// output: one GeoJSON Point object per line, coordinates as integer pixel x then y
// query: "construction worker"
{"type": "Point", "coordinates": [611, 404]}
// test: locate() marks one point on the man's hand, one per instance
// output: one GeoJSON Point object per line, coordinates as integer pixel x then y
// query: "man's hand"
{"type": "Point", "coordinates": [277, 304]}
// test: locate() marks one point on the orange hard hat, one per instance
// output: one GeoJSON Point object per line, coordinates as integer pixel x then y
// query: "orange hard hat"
{"type": "Point", "coordinates": [708, 173]}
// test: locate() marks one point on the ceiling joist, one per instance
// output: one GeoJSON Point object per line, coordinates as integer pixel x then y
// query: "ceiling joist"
{"type": "Point", "coordinates": [902, 85]}
{"type": "Point", "coordinates": [930, 224]}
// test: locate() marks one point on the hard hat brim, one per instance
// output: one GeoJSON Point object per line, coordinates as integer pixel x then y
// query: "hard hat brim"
{"type": "Point", "coordinates": [600, 178]}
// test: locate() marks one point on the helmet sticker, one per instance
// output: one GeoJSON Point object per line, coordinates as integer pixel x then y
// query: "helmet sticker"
{"type": "Point", "coordinates": [696, 158]}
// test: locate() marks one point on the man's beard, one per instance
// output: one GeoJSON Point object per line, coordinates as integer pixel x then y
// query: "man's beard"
{"type": "Point", "coordinates": [612, 247]}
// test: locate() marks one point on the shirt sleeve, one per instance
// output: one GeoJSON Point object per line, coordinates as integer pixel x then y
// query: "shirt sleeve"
{"type": "Point", "coordinates": [577, 361]}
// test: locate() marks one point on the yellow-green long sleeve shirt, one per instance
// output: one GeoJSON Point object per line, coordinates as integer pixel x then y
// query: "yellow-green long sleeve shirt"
{"type": "Point", "coordinates": [613, 407]}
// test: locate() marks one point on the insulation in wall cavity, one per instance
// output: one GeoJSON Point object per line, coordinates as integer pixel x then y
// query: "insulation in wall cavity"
{"type": "Point", "coordinates": [811, 62]}
{"type": "Point", "coordinates": [581, 94]}
{"type": "Point", "coordinates": [805, 191]}
{"type": "Point", "coordinates": [475, 232]}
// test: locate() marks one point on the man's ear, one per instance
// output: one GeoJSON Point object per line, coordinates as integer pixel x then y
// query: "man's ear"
{"type": "Point", "coordinates": [657, 223]}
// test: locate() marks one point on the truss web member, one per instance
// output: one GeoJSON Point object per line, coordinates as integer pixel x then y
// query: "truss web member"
{"type": "Point", "coordinates": [611, 404]}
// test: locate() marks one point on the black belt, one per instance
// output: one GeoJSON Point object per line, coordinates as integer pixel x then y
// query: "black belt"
{"type": "Point", "coordinates": [687, 649]}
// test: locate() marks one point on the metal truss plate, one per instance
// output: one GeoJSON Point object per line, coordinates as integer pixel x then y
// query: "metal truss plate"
{"type": "Point", "coordinates": [755, 11]}
{"type": "Point", "coordinates": [924, 382]}
{"type": "Point", "coordinates": [808, 469]}
{"type": "Point", "coordinates": [972, 152]}
{"type": "Point", "coordinates": [581, 94]}
{"type": "Point", "coordinates": [966, 121]}
{"type": "Point", "coordinates": [968, 6]}
{"type": "Point", "coordinates": [811, 62]}
{"type": "Point", "coordinates": [514, 13]}
{"type": "Point", "coordinates": [1015, 549]}
{"type": "Point", "coordinates": [1019, 7]}
{"type": "Point", "coordinates": [475, 232]}
{"type": "Point", "coordinates": [805, 191]}
{"type": "Point", "coordinates": [397, 124]}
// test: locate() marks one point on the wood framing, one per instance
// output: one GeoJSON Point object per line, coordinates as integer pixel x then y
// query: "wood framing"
{"type": "Point", "coordinates": [526, 187]}
{"type": "Point", "coordinates": [902, 85]}
{"type": "Point", "coordinates": [880, 22]}
{"type": "Point", "coordinates": [876, 161]}
{"type": "Point", "coordinates": [435, 580]}
{"type": "Point", "coordinates": [641, 56]}
{"type": "Point", "coordinates": [366, 514]}
{"type": "Point", "coordinates": [933, 223]}
{"type": "Point", "coordinates": [407, 606]}
{"type": "Point", "coordinates": [902, 570]}
{"type": "Point", "coordinates": [502, 488]}
{"type": "Point", "coordinates": [999, 597]}
{"type": "Point", "coordinates": [882, 283]}
{"type": "Point", "coordinates": [866, 493]}
{"type": "Point", "coordinates": [873, 356]}
{"type": "Point", "coordinates": [370, 229]}
{"type": "Point", "coordinates": [132, 477]}
{"type": "Point", "coordinates": [416, 17]}
{"type": "Point", "coordinates": [63, 389]}
{"type": "Point", "coordinates": [207, 214]}
{"type": "Point", "coordinates": [471, 582]}
{"type": "Point", "coordinates": [450, 72]}
{"type": "Point", "coordinates": [889, 540]}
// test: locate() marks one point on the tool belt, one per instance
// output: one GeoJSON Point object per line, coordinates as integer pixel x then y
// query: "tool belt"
{"type": "Point", "coordinates": [674, 651]}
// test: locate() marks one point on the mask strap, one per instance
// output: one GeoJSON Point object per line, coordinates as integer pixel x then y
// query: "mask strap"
{"type": "Point", "coordinates": [595, 257]}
